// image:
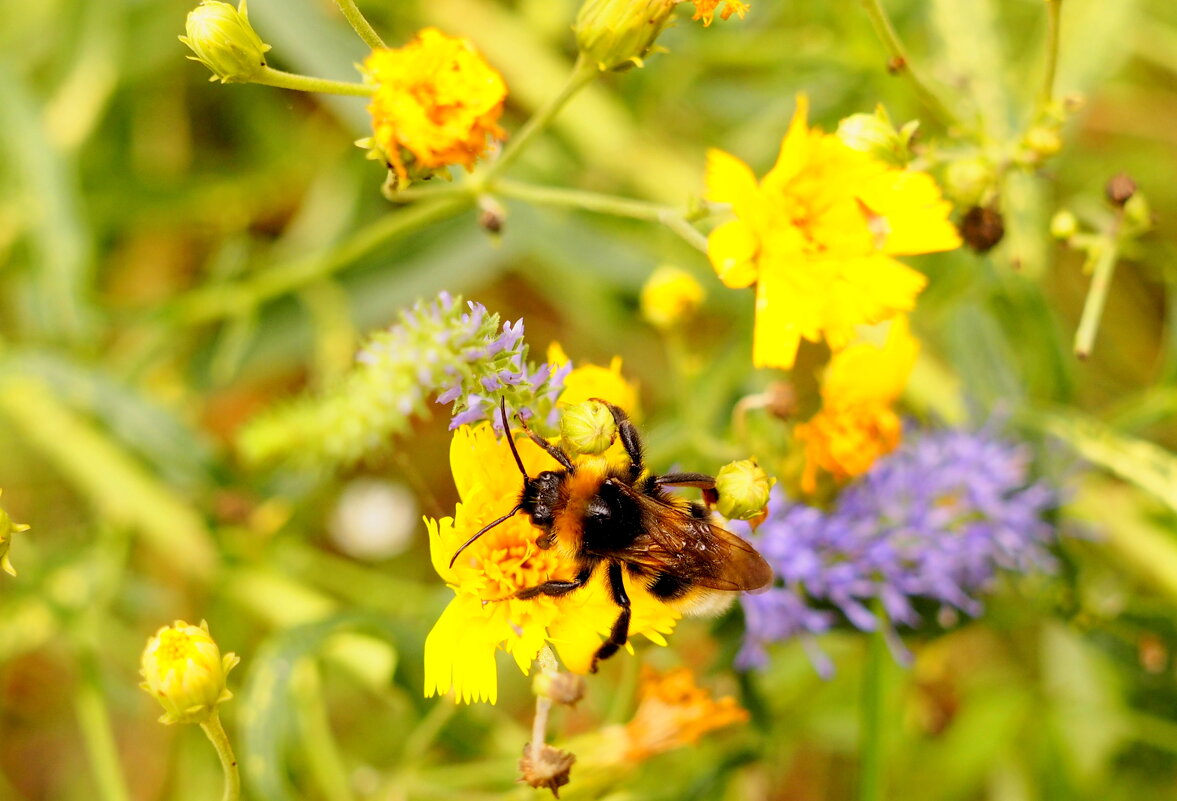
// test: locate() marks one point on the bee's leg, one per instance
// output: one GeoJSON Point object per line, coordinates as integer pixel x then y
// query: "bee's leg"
{"type": "Point", "coordinates": [620, 632]}
{"type": "Point", "coordinates": [556, 588]}
{"type": "Point", "coordinates": [629, 438]}
{"type": "Point", "coordinates": [700, 480]}
{"type": "Point", "coordinates": [551, 449]}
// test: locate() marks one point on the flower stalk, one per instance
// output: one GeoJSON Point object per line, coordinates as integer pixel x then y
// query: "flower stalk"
{"type": "Point", "coordinates": [902, 64]}
{"type": "Point", "coordinates": [216, 734]}
{"type": "Point", "coordinates": [359, 23]}
{"type": "Point", "coordinates": [268, 76]}
{"type": "Point", "coordinates": [870, 787]}
{"type": "Point", "coordinates": [1053, 18]}
{"type": "Point", "coordinates": [583, 73]}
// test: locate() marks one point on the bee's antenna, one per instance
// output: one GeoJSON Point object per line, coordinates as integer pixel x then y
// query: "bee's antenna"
{"type": "Point", "coordinates": [483, 530]}
{"type": "Point", "coordinates": [511, 440]}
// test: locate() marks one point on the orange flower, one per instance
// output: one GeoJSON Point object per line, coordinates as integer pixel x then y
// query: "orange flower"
{"type": "Point", "coordinates": [674, 711]}
{"type": "Point", "coordinates": [856, 424]}
{"type": "Point", "coordinates": [705, 10]}
{"type": "Point", "coordinates": [817, 236]}
{"type": "Point", "coordinates": [435, 98]}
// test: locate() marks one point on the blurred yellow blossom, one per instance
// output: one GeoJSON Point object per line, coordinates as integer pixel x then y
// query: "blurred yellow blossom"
{"type": "Point", "coordinates": [7, 529]}
{"type": "Point", "coordinates": [183, 669]}
{"type": "Point", "coordinates": [436, 98]}
{"type": "Point", "coordinates": [817, 236]}
{"type": "Point", "coordinates": [674, 711]}
{"type": "Point", "coordinates": [856, 424]}
{"type": "Point", "coordinates": [705, 10]}
{"type": "Point", "coordinates": [670, 297]}
{"type": "Point", "coordinates": [484, 615]}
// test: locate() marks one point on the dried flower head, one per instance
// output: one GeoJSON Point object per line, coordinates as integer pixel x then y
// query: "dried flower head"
{"type": "Point", "coordinates": [548, 767]}
{"type": "Point", "coordinates": [436, 100]}
{"type": "Point", "coordinates": [817, 236]}
{"type": "Point", "coordinates": [183, 669]}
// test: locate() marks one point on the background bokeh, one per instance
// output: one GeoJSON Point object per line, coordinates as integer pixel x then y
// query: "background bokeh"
{"type": "Point", "coordinates": [177, 255]}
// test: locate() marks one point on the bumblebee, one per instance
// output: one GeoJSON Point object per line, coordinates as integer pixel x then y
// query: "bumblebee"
{"type": "Point", "coordinates": [623, 519]}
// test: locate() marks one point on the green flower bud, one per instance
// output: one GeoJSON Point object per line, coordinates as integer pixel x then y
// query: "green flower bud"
{"type": "Point", "coordinates": [743, 489]}
{"type": "Point", "coordinates": [617, 34]}
{"type": "Point", "coordinates": [588, 427]}
{"type": "Point", "coordinates": [1137, 213]}
{"type": "Point", "coordinates": [1064, 224]}
{"type": "Point", "coordinates": [225, 42]}
{"type": "Point", "coordinates": [7, 529]}
{"type": "Point", "coordinates": [875, 135]}
{"type": "Point", "coordinates": [970, 181]}
{"type": "Point", "coordinates": [1043, 140]}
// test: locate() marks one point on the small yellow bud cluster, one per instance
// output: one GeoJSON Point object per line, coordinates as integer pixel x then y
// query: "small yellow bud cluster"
{"type": "Point", "coordinates": [225, 42]}
{"type": "Point", "coordinates": [743, 489]}
{"type": "Point", "coordinates": [670, 297]}
{"type": "Point", "coordinates": [183, 669]}
{"type": "Point", "coordinates": [587, 428]}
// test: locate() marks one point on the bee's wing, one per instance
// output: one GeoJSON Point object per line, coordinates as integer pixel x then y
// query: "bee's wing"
{"type": "Point", "coordinates": [676, 542]}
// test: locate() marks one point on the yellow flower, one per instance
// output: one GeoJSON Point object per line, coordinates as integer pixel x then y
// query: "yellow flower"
{"type": "Point", "coordinates": [594, 381]}
{"type": "Point", "coordinates": [705, 10]}
{"type": "Point", "coordinates": [856, 424]}
{"type": "Point", "coordinates": [817, 236]}
{"type": "Point", "coordinates": [437, 99]}
{"type": "Point", "coordinates": [670, 297]}
{"type": "Point", "coordinates": [483, 615]}
{"type": "Point", "coordinates": [674, 711]}
{"type": "Point", "coordinates": [7, 529]}
{"type": "Point", "coordinates": [183, 669]}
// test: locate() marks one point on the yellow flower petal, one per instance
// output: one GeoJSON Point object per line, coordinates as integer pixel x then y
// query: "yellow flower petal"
{"type": "Point", "coordinates": [732, 249]}
{"type": "Point", "coordinates": [459, 653]}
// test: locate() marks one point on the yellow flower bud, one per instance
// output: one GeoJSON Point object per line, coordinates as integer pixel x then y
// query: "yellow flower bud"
{"type": "Point", "coordinates": [670, 297]}
{"type": "Point", "coordinates": [183, 669]}
{"type": "Point", "coordinates": [617, 34]}
{"type": "Point", "coordinates": [1138, 214]}
{"type": "Point", "coordinates": [1064, 225]}
{"type": "Point", "coordinates": [743, 489]}
{"type": "Point", "coordinates": [588, 427]}
{"type": "Point", "coordinates": [225, 42]}
{"type": "Point", "coordinates": [7, 529]}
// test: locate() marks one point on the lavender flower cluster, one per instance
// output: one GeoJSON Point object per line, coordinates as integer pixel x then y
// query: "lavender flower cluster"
{"type": "Point", "coordinates": [935, 520]}
{"type": "Point", "coordinates": [457, 351]}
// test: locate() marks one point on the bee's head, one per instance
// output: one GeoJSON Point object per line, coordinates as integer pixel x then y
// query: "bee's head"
{"type": "Point", "coordinates": [539, 499]}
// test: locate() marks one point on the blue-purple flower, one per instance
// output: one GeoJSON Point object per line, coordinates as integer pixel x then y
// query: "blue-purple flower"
{"type": "Point", "coordinates": [936, 520]}
{"type": "Point", "coordinates": [457, 351]}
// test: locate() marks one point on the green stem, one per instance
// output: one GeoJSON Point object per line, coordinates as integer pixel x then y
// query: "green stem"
{"type": "Point", "coordinates": [672, 218]}
{"type": "Point", "coordinates": [228, 300]}
{"type": "Point", "coordinates": [305, 83]}
{"type": "Point", "coordinates": [583, 72]}
{"type": "Point", "coordinates": [1097, 295]}
{"type": "Point", "coordinates": [359, 24]}
{"type": "Point", "coordinates": [901, 63]}
{"type": "Point", "coordinates": [101, 750]}
{"type": "Point", "coordinates": [870, 786]}
{"type": "Point", "coordinates": [216, 735]}
{"type": "Point", "coordinates": [1053, 11]}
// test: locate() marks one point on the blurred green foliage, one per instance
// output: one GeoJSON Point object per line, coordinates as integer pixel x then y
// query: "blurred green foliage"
{"type": "Point", "coordinates": [176, 256]}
